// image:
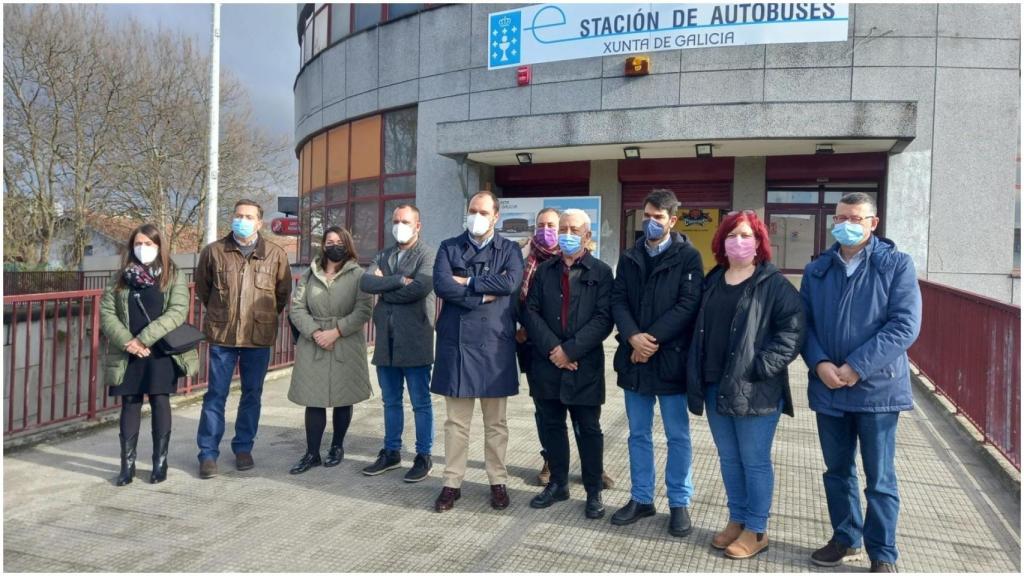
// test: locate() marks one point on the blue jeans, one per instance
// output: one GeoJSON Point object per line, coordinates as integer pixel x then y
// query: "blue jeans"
{"type": "Point", "coordinates": [877, 435]}
{"type": "Point", "coordinates": [678, 466]}
{"type": "Point", "coordinates": [252, 364]}
{"type": "Point", "coordinates": [391, 389]}
{"type": "Point", "coordinates": [745, 455]}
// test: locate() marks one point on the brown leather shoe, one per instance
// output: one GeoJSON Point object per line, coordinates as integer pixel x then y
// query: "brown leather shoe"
{"type": "Point", "coordinates": [747, 545]}
{"type": "Point", "coordinates": [243, 461]}
{"type": "Point", "coordinates": [607, 481]}
{"type": "Point", "coordinates": [727, 536]}
{"type": "Point", "coordinates": [446, 501]}
{"type": "Point", "coordinates": [544, 476]}
{"type": "Point", "coordinates": [207, 469]}
{"type": "Point", "coordinates": [499, 496]}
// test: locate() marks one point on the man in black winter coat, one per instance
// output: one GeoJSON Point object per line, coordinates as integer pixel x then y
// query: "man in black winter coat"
{"type": "Point", "coordinates": [568, 316]}
{"type": "Point", "coordinates": [654, 303]}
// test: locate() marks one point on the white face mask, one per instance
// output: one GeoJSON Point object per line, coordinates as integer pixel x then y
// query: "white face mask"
{"type": "Point", "coordinates": [402, 232]}
{"type": "Point", "coordinates": [477, 224]}
{"type": "Point", "coordinates": [146, 254]}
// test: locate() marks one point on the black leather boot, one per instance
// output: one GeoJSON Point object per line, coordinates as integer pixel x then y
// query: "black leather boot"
{"type": "Point", "coordinates": [552, 493]}
{"type": "Point", "coordinates": [632, 512]}
{"type": "Point", "coordinates": [160, 444]}
{"type": "Point", "coordinates": [127, 459]}
{"type": "Point", "coordinates": [679, 523]}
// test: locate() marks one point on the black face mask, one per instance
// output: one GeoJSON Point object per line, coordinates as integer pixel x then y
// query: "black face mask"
{"type": "Point", "coordinates": [336, 253]}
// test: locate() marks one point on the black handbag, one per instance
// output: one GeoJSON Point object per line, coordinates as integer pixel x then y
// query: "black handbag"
{"type": "Point", "coordinates": [181, 339]}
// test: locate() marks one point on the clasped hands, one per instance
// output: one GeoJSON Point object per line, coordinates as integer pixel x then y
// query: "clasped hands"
{"type": "Point", "coordinates": [559, 358]}
{"type": "Point", "coordinates": [644, 346]}
{"type": "Point", "coordinates": [326, 338]}
{"type": "Point", "coordinates": [837, 376]}
{"type": "Point", "coordinates": [136, 348]}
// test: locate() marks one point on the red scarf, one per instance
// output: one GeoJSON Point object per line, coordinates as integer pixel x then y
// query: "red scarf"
{"type": "Point", "coordinates": [538, 255]}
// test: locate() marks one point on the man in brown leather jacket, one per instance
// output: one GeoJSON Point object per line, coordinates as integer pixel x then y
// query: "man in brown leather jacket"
{"type": "Point", "coordinates": [244, 282]}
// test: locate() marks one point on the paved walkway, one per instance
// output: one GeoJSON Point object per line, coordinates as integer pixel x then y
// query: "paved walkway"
{"type": "Point", "coordinates": [62, 512]}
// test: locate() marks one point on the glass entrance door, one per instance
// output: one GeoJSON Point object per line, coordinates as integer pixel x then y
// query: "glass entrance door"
{"type": "Point", "coordinates": [794, 239]}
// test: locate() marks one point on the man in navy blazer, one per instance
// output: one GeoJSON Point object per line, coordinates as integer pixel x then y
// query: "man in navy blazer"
{"type": "Point", "coordinates": [863, 307]}
{"type": "Point", "coordinates": [477, 275]}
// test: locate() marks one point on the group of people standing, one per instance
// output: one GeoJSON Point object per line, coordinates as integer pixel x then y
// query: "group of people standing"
{"type": "Point", "coordinates": [687, 342]}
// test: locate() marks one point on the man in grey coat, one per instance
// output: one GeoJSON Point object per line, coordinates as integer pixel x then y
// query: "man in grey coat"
{"type": "Point", "coordinates": [402, 278]}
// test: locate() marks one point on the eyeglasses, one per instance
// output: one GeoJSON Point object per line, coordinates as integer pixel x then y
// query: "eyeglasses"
{"type": "Point", "coordinates": [744, 212]}
{"type": "Point", "coordinates": [854, 219]}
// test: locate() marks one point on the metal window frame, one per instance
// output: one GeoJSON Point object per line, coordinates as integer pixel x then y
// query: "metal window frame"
{"type": "Point", "coordinates": [305, 238]}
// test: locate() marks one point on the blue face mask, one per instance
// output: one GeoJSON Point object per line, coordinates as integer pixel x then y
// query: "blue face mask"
{"type": "Point", "coordinates": [653, 230]}
{"type": "Point", "coordinates": [569, 243]}
{"type": "Point", "coordinates": [243, 228]}
{"type": "Point", "coordinates": [848, 233]}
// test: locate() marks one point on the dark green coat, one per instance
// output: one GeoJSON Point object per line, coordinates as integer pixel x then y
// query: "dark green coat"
{"type": "Point", "coordinates": [114, 325]}
{"type": "Point", "coordinates": [340, 376]}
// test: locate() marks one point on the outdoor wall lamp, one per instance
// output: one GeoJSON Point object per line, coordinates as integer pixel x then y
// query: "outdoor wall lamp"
{"type": "Point", "coordinates": [823, 149]}
{"type": "Point", "coordinates": [638, 66]}
{"type": "Point", "coordinates": [703, 150]}
{"type": "Point", "coordinates": [524, 158]}
{"type": "Point", "coordinates": [631, 152]}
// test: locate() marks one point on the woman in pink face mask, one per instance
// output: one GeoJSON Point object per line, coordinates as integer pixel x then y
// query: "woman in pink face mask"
{"type": "Point", "coordinates": [749, 328]}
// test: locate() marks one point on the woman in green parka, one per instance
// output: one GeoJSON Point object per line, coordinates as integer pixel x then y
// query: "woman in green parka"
{"type": "Point", "coordinates": [134, 366]}
{"type": "Point", "coordinates": [330, 312]}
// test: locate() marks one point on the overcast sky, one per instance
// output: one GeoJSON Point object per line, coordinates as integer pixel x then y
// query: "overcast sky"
{"type": "Point", "coordinates": [258, 46]}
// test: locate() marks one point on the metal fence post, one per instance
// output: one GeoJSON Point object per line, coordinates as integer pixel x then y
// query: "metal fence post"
{"type": "Point", "coordinates": [94, 356]}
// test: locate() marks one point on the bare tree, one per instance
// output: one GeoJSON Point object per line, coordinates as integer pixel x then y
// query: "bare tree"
{"type": "Point", "coordinates": [98, 119]}
{"type": "Point", "coordinates": [164, 179]}
{"type": "Point", "coordinates": [160, 175]}
{"type": "Point", "coordinates": [61, 95]}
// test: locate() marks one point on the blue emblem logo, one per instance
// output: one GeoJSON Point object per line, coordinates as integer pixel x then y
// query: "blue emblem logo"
{"type": "Point", "coordinates": [505, 39]}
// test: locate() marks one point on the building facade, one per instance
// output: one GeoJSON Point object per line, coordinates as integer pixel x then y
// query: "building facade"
{"type": "Point", "coordinates": [920, 107]}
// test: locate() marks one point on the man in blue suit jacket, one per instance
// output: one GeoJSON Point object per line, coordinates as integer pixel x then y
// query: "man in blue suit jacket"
{"type": "Point", "coordinates": [477, 274]}
{"type": "Point", "coordinates": [863, 307]}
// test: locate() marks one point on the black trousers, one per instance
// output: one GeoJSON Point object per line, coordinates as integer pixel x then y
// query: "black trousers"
{"type": "Point", "coordinates": [131, 414]}
{"type": "Point", "coordinates": [586, 422]}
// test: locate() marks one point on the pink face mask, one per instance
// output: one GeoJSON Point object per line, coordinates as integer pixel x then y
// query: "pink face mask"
{"type": "Point", "coordinates": [740, 249]}
{"type": "Point", "coordinates": [546, 237]}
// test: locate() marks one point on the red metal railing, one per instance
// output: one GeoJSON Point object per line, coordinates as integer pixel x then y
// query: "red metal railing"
{"type": "Point", "coordinates": [969, 348]}
{"type": "Point", "coordinates": [34, 282]}
{"type": "Point", "coordinates": [54, 354]}
{"type": "Point", "coordinates": [45, 281]}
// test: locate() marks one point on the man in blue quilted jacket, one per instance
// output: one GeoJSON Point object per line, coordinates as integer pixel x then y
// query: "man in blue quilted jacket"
{"type": "Point", "coordinates": [863, 307]}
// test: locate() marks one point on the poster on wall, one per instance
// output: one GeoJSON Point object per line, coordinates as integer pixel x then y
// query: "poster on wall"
{"type": "Point", "coordinates": [518, 216]}
{"type": "Point", "coordinates": [699, 225]}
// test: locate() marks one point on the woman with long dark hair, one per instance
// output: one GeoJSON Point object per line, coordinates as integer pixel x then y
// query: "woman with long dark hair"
{"type": "Point", "coordinates": [330, 312]}
{"type": "Point", "coordinates": [144, 300]}
{"type": "Point", "coordinates": [749, 328]}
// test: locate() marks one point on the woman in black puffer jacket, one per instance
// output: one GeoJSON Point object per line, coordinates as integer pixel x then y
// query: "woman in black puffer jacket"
{"type": "Point", "coordinates": [749, 328]}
